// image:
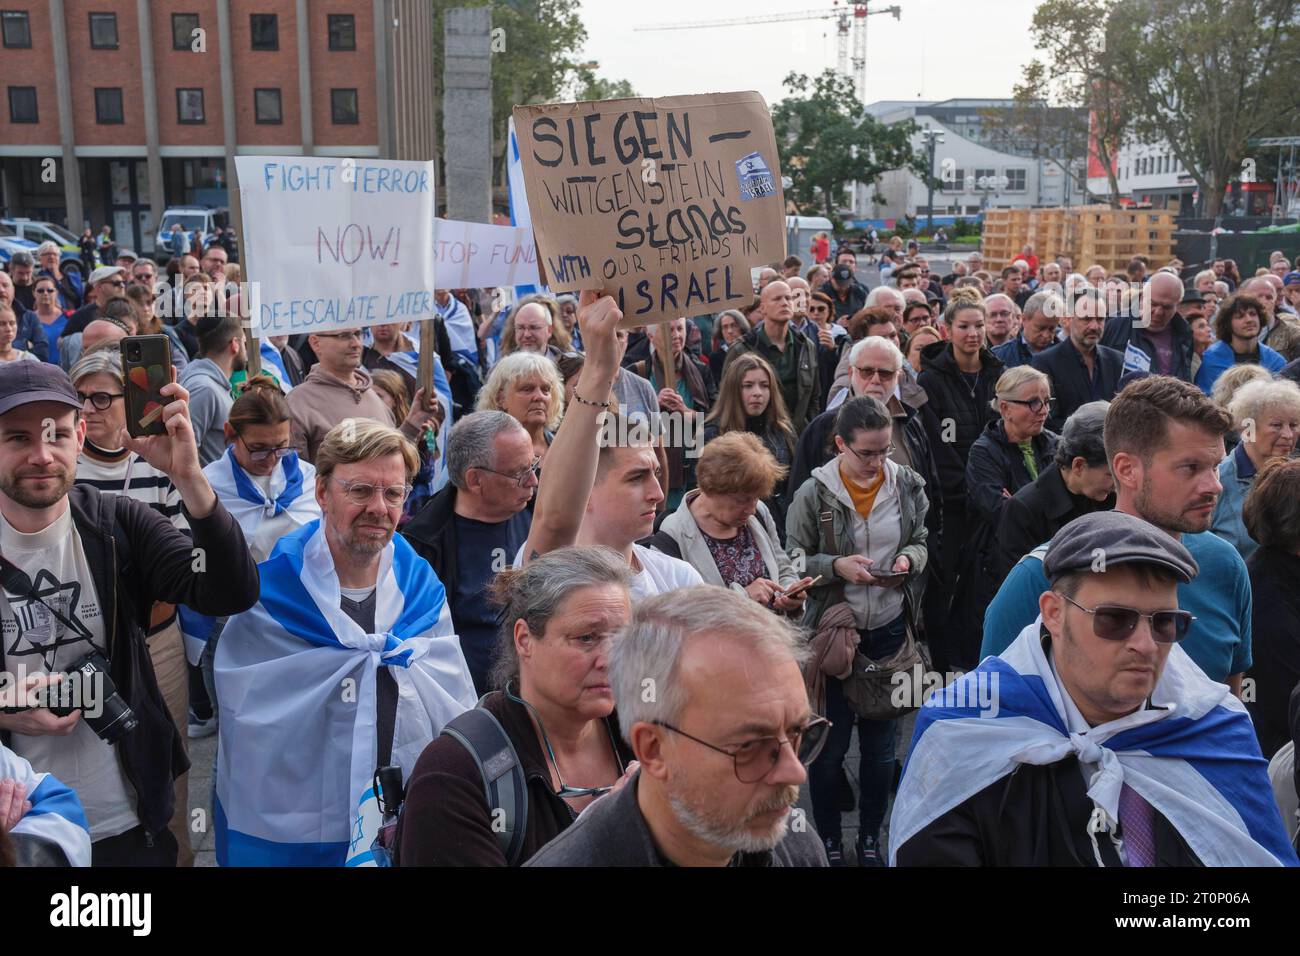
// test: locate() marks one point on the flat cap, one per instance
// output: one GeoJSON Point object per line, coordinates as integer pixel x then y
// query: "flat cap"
{"type": "Point", "coordinates": [1115, 538]}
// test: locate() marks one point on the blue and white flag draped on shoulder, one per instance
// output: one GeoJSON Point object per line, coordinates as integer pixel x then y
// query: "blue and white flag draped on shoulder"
{"type": "Point", "coordinates": [263, 519]}
{"type": "Point", "coordinates": [1192, 755]}
{"type": "Point", "coordinates": [296, 687]}
{"type": "Point", "coordinates": [56, 814]}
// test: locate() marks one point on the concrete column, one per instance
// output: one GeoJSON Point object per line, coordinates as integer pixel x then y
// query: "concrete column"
{"type": "Point", "coordinates": [383, 14]}
{"type": "Point", "coordinates": [467, 113]}
{"type": "Point", "coordinates": [149, 104]}
{"type": "Point", "coordinates": [304, 78]}
{"type": "Point", "coordinates": [67, 134]}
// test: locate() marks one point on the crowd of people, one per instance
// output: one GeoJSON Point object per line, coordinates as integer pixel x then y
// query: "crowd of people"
{"type": "Point", "coordinates": [607, 596]}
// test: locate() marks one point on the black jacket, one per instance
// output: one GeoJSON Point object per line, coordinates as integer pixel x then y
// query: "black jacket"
{"type": "Point", "coordinates": [962, 412]}
{"type": "Point", "coordinates": [1063, 365]}
{"type": "Point", "coordinates": [995, 464]}
{"type": "Point", "coordinates": [432, 533]}
{"type": "Point", "coordinates": [1275, 623]}
{"type": "Point", "coordinates": [854, 300]}
{"type": "Point", "coordinates": [1036, 512]}
{"type": "Point", "coordinates": [1120, 332]}
{"type": "Point", "coordinates": [138, 557]}
{"type": "Point", "coordinates": [446, 820]}
{"type": "Point", "coordinates": [1034, 816]}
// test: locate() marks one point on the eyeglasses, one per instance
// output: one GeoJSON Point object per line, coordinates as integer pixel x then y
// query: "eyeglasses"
{"type": "Point", "coordinates": [116, 283]}
{"type": "Point", "coordinates": [566, 792]}
{"type": "Point", "coordinates": [1113, 622]}
{"type": "Point", "coordinates": [1035, 405]}
{"type": "Point", "coordinates": [47, 291]}
{"type": "Point", "coordinates": [1000, 313]}
{"type": "Point", "coordinates": [349, 334]}
{"type": "Point", "coordinates": [520, 478]}
{"type": "Point", "coordinates": [884, 374]}
{"type": "Point", "coordinates": [360, 493]}
{"type": "Point", "coordinates": [100, 400]}
{"type": "Point", "coordinates": [279, 451]}
{"type": "Point", "coordinates": [754, 759]}
{"type": "Point", "coordinates": [870, 454]}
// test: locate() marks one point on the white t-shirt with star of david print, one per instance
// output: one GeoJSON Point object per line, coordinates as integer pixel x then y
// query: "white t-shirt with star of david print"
{"type": "Point", "coordinates": [35, 640]}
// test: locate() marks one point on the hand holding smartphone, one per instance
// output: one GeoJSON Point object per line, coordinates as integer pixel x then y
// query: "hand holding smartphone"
{"type": "Point", "coordinates": [146, 368]}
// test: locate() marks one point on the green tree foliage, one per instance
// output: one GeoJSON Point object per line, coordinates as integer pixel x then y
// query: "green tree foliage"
{"type": "Point", "coordinates": [1206, 77]}
{"type": "Point", "coordinates": [826, 141]}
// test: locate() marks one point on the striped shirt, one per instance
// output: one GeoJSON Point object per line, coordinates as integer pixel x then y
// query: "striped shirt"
{"type": "Point", "coordinates": [136, 478]}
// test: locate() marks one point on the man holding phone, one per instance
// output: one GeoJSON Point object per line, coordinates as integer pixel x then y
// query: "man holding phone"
{"type": "Point", "coordinates": [81, 573]}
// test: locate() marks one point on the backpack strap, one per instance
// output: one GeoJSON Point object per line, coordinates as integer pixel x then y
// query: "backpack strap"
{"type": "Point", "coordinates": [826, 518]}
{"type": "Point", "coordinates": [504, 785]}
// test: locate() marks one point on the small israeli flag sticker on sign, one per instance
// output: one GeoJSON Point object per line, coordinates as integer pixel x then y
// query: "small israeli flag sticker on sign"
{"type": "Point", "coordinates": [756, 181]}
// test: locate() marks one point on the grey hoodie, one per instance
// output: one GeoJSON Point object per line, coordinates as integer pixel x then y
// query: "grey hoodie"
{"type": "Point", "coordinates": [210, 402]}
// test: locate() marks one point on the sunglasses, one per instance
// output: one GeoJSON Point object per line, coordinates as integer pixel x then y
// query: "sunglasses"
{"type": "Point", "coordinates": [868, 373]}
{"type": "Point", "coordinates": [754, 759]}
{"type": "Point", "coordinates": [1114, 622]}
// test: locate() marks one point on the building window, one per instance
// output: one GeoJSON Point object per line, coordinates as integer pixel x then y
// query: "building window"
{"type": "Point", "coordinates": [17, 29]}
{"type": "Point", "coordinates": [343, 31]}
{"type": "Point", "coordinates": [189, 106]}
{"type": "Point", "coordinates": [343, 107]}
{"type": "Point", "coordinates": [958, 182]}
{"type": "Point", "coordinates": [183, 27]}
{"type": "Point", "coordinates": [265, 30]}
{"type": "Point", "coordinates": [22, 104]}
{"type": "Point", "coordinates": [103, 31]}
{"type": "Point", "coordinates": [266, 103]}
{"type": "Point", "coordinates": [1015, 180]}
{"type": "Point", "coordinates": [108, 105]}
{"type": "Point", "coordinates": [989, 177]}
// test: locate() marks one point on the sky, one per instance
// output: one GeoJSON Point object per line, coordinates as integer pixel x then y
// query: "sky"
{"type": "Point", "coordinates": [939, 49]}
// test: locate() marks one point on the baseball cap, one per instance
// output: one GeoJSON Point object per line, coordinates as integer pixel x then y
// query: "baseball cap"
{"type": "Point", "coordinates": [22, 383]}
{"type": "Point", "coordinates": [104, 272]}
{"type": "Point", "coordinates": [1291, 278]}
{"type": "Point", "coordinates": [127, 254]}
{"type": "Point", "coordinates": [842, 273]}
{"type": "Point", "coordinates": [1115, 538]}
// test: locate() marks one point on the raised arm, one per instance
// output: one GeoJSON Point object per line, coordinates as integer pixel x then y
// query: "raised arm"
{"type": "Point", "coordinates": [571, 461]}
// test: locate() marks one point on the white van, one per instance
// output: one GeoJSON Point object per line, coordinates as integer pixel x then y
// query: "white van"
{"type": "Point", "coordinates": [206, 219]}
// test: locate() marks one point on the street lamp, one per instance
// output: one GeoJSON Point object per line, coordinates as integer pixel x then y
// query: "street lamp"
{"type": "Point", "coordinates": [931, 137]}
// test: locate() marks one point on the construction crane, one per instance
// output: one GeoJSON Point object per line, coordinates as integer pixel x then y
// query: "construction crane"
{"type": "Point", "coordinates": [850, 20]}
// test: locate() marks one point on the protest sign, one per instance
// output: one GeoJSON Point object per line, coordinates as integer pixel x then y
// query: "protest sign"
{"type": "Point", "coordinates": [336, 243]}
{"type": "Point", "coordinates": [474, 255]}
{"type": "Point", "coordinates": [664, 203]}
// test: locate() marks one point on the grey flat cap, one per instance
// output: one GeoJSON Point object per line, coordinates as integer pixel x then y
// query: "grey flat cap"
{"type": "Point", "coordinates": [1114, 538]}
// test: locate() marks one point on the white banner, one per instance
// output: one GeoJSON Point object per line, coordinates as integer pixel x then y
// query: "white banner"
{"type": "Point", "coordinates": [473, 255]}
{"type": "Point", "coordinates": [336, 243]}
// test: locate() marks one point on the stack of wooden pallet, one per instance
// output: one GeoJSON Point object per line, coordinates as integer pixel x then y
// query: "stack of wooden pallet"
{"type": "Point", "coordinates": [1089, 235]}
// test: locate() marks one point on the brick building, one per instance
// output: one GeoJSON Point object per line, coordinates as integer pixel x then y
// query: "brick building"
{"type": "Point", "coordinates": [142, 105]}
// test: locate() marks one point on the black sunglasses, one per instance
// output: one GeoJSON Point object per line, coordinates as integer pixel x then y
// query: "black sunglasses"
{"type": "Point", "coordinates": [1114, 622]}
{"type": "Point", "coordinates": [754, 759]}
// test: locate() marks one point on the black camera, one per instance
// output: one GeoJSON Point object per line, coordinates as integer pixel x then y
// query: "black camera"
{"type": "Point", "coordinates": [85, 684]}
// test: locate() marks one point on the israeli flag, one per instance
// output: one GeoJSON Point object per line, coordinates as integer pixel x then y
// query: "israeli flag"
{"type": "Point", "coordinates": [519, 214]}
{"type": "Point", "coordinates": [409, 362]}
{"type": "Point", "coordinates": [273, 364]}
{"type": "Point", "coordinates": [56, 814]}
{"type": "Point", "coordinates": [296, 687]}
{"type": "Point", "coordinates": [1192, 755]}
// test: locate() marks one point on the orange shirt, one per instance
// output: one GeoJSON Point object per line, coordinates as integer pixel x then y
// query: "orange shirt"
{"type": "Point", "coordinates": [863, 496]}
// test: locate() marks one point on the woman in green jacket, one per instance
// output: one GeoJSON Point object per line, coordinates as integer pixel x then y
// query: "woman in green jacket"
{"type": "Point", "coordinates": [877, 514]}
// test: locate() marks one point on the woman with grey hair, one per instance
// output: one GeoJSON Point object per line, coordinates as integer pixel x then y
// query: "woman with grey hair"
{"type": "Point", "coordinates": [528, 387]}
{"type": "Point", "coordinates": [1077, 482]}
{"type": "Point", "coordinates": [555, 707]}
{"type": "Point", "coordinates": [1266, 414]}
{"type": "Point", "coordinates": [730, 327]}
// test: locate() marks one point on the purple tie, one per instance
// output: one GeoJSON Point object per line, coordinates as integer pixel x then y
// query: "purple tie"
{"type": "Point", "coordinates": [1137, 819]}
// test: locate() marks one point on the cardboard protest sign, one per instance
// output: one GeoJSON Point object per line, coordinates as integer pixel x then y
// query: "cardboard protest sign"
{"type": "Point", "coordinates": [474, 255]}
{"type": "Point", "coordinates": [664, 203]}
{"type": "Point", "coordinates": [336, 243]}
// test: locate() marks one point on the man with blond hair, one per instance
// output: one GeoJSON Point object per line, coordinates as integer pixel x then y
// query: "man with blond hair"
{"type": "Point", "coordinates": [348, 662]}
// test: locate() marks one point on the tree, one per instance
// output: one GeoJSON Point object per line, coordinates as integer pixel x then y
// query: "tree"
{"type": "Point", "coordinates": [1207, 77]}
{"type": "Point", "coordinates": [826, 141]}
{"type": "Point", "coordinates": [592, 87]}
{"type": "Point", "coordinates": [1076, 71]}
{"type": "Point", "coordinates": [1055, 134]}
